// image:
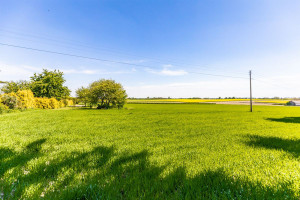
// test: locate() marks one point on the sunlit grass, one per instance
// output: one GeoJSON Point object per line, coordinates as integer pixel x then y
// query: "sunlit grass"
{"type": "Point", "coordinates": [151, 151]}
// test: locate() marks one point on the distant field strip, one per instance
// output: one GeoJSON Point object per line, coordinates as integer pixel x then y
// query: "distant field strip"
{"type": "Point", "coordinates": [270, 101]}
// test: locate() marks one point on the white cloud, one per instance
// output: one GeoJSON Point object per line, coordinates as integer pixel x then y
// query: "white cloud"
{"type": "Point", "coordinates": [167, 71]}
{"type": "Point", "coordinates": [24, 72]}
{"type": "Point", "coordinates": [135, 61]}
{"type": "Point", "coordinates": [282, 86]}
{"type": "Point", "coordinates": [173, 72]}
{"type": "Point", "coordinates": [74, 71]}
{"type": "Point", "coordinates": [191, 89]}
{"type": "Point", "coordinates": [167, 66]}
{"type": "Point", "coordinates": [13, 72]}
{"type": "Point", "coordinates": [97, 72]}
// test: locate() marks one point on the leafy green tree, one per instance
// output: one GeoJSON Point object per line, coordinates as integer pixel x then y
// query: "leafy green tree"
{"type": "Point", "coordinates": [120, 98]}
{"type": "Point", "coordinates": [49, 84]}
{"type": "Point", "coordinates": [83, 95]}
{"type": "Point", "coordinates": [13, 86]}
{"type": "Point", "coordinates": [107, 93]}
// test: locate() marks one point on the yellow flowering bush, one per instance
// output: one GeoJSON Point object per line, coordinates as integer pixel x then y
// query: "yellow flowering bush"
{"type": "Point", "coordinates": [51, 103]}
{"type": "Point", "coordinates": [70, 102]}
{"type": "Point", "coordinates": [42, 103]}
{"type": "Point", "coordinates": [54, 103]}
{"type": "Point", "coordinates": [67, 102]}
{"type": "Point", "coordinates": [62, 104]}
{"type": "Point", "coordinates": [26, 98]}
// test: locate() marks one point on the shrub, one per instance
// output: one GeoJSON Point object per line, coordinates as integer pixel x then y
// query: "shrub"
{"type": "Point", "coordinates": [26, 98]}
{"type": "Point", "coordinates": [3, 108]}
{"type": "Point", "coordinates": [10, 100]}
{"type": "Point", "coordinates": [67, 102]}
{"type": "Point", "coordinates": [62, 103]}
{"type": "Point", "coordinates": [70, 102]}
{"type": "Point", "coordinates": [50, 103]}
{"type": "Point", "coordinates": [42, 103]}
{"type": "Point", "coordinates": [74, 100]}
{"type": "Point", "coordinates": [53, 103]}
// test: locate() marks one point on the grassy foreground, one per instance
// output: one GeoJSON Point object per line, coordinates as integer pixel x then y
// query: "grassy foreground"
{"type": "Point", "coordinates": [157, 151]}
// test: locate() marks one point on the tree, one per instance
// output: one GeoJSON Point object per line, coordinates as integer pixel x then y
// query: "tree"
{"type": "Point", "coordinates": [12, 86]}
{"type": "Point", "coordinates": [49, 84]}
{"type": "Point", "coordinates": [107, 93]}
{"type": "Point", "coordinates": [83, 95]}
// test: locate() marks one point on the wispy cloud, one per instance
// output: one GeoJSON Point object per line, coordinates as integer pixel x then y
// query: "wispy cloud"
{"type": "Point", "coordinates": [135, 61]}
{"type": "Point", "coordinates": [191, 89]}
{"type": "Point", "coordinates": [282, 86]}
{"type": "Point", "coordinates": [83, 70]}
{"type": "Point", "coordinates": [167, 71]}
{"type": "Point", "coordinates": [74, 71]}
{"type": "Point", "coordinates": [15, 72]}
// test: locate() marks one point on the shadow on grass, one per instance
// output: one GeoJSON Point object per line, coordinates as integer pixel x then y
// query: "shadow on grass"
{"type": "Point", "coordinates": [288, 145]}
{"type": "Point", "coordinates": [286, 119]}
{"type": "Point", "coordinates": [105, 174]}
{"type": "Point", "coordinates": [10, 159]}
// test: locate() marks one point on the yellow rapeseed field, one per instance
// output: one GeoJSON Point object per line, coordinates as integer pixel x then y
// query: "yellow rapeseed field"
{"type": "Point", "coordinates": [271, 101]}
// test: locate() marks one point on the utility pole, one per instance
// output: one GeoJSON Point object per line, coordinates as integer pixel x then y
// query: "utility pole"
{"type": "Point", "coordinates": [250, 73]}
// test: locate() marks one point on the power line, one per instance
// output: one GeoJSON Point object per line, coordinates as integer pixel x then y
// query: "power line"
{"type": "Point", "coordinates": [71, 43]}
{"type": "Point", "coordinates": [72, 55]}
{"type": "Point", "coordinates": [106, 60]}
{"type": "Point", "coordinates": [86, 46]}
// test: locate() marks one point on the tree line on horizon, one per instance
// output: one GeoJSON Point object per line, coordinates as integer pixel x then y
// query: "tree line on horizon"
{"type": "Point", "coordinates": [50, 85]}
{"type": "Point", "coordinates": [45, 90]}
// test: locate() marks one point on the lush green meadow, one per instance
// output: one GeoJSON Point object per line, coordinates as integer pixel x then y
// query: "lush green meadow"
{"type": "Point", "coordinates": [151, 151]}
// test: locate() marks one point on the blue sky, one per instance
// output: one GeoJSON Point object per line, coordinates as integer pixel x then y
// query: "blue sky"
{"type": "Point", "coordinates": [169, 44]}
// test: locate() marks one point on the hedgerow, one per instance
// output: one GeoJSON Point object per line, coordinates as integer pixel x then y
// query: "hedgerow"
{"type": "Point", "coordinates": [51, 103]}
{"type": "Point", "coordinates": [24, 99]}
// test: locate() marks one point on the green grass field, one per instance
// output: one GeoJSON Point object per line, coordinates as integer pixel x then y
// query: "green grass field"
{"type": "Point", "coordinates": [151, 151]}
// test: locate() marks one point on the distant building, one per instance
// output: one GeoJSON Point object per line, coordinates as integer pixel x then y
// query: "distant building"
{"type": "Point", "coordinates": [293, 103]}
